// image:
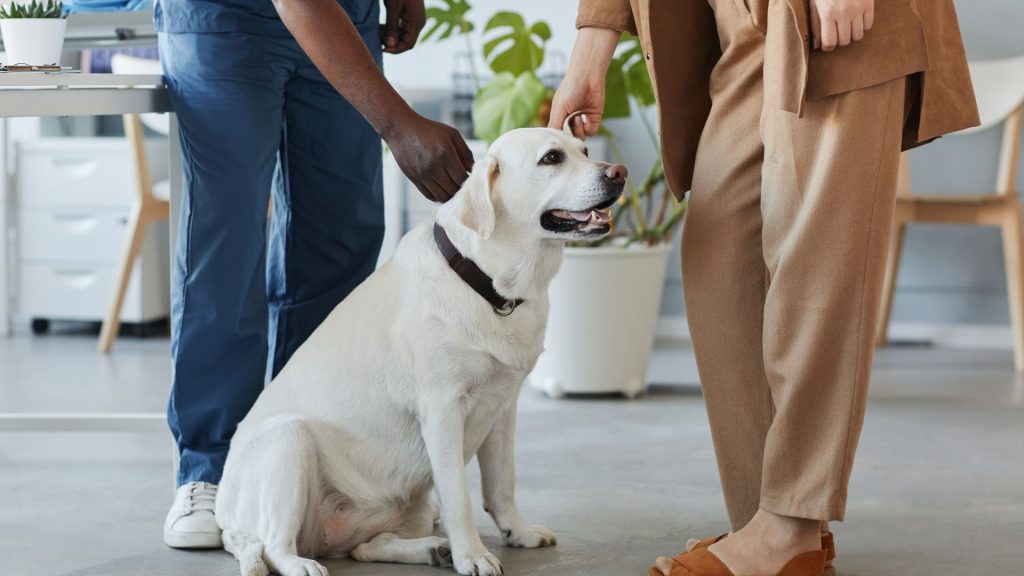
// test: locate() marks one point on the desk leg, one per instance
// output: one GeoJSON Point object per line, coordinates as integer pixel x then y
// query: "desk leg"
{"type": "Point", "coordinates": [6, 290]}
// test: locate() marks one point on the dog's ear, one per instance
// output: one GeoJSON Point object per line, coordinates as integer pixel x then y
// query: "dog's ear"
{"type": "Point", "coordinates": [477, 210]}
{"type": "Point", "coordinates": [567, 125]}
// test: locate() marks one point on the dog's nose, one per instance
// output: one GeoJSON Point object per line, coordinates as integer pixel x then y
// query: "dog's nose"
{"type": "Point", "coordinates": [616, 173]}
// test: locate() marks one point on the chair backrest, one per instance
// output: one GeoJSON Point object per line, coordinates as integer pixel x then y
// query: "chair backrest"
{"type": "Point", "coordinates": [124, 64]}
{"type": "Point", "coordinates": [999, 89]}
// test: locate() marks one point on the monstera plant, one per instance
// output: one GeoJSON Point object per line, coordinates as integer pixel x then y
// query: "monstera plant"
{"type": "Point", "coordinates": [516, 97]}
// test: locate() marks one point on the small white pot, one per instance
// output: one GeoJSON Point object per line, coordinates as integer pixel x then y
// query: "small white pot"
{"type": "Point", "coordinates": [604, 306]}
{"type": "Point", "coordinates": [33, 41]}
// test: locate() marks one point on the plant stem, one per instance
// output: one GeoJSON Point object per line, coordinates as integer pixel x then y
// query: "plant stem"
{"type": "Point", "coordinates": [634, 198]}
{"type": "Point", "coordinates": [677, 214]}
{"type": "Point", "coordinates": [642, 112]}
{"type": "Point", "coordinates": [666, 194]}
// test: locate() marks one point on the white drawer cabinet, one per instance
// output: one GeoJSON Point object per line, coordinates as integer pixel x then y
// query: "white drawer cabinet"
{"type": "Point", "coordinates": [73, 199]}
{"type": "Point", "coordinates": [77, 233]}
{"type": "Point", "coordinates": [81, 291]}
{"type": "Point", "coordinates": [65, 177]}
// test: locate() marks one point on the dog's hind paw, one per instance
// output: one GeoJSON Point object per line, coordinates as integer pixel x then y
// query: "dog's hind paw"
{"type": "Point", "coordinates": [441, 556]}
{"type": "Point", "coordinates": [529, 537]}
{"type": "Point", "coordinates": [481, 563]}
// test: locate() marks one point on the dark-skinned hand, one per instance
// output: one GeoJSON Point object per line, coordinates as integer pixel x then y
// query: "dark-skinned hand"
{"type": "Point", "coordinates": [432, 155]}
{"type": "Point", "coordinates": [403, 23]}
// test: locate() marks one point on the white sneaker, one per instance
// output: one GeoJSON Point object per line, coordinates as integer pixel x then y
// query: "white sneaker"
{"type": "Point", "coordinates": [190, 523]}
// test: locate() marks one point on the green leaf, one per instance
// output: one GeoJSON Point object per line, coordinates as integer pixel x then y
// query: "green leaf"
{"type": "Point", "coordinates": [33, 9]}
{"type": "Point", "coordinates": [448, 18]}
{"type": "Point", "coordinates": [616, 100]}
{"type": "Point", "coordinates": [541, 30]}
{"type": "Point", "coordinates": [515, 47]}
{"type": "Point", "coordinates": [507, 102]}
{"type": "Point", "coordinates": [627, 79]}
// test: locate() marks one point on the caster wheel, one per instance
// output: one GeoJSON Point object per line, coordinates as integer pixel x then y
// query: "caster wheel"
{"type": "Point", "coordinates": [554, 389]}
{"type": "Point", "coordinates": [635, 389]}
{"type": "Point", "coordinates": [40, 326]}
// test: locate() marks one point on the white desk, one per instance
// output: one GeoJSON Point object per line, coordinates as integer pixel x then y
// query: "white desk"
{"type": "Point", "coordinates": [76, 95]}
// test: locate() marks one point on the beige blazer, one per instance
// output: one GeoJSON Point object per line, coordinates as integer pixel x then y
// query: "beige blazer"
{"type": "Point", "coordinates": [917, 39]}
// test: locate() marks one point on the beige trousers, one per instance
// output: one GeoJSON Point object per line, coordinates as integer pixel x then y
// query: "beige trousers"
{"type": "Point", "coordinates": [784, 248]}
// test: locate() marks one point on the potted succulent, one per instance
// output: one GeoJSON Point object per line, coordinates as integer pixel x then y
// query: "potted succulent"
{"type": "Point", "coordinates": [606, 297]}
{"type": "Point", "coordinates": [33, 33]}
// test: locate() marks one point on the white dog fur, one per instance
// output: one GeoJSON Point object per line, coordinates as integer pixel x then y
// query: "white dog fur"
{"type": "Point", "coordinates": [411, 376]}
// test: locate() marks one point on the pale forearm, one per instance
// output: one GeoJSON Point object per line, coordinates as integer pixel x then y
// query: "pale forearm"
{"type": "Point", "coordinates": [582, 89]}
{"type": "Point", "coordinates": [593, 51]}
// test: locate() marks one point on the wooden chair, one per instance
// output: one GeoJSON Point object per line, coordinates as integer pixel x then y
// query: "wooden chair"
{"type": "Point", "coordinates": [999, 85]}
{"type": "Point", "coordinates": [151, 200]}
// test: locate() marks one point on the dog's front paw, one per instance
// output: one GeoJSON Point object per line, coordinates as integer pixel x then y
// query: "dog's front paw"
{"type": "Point", "coordinates": [477, 563]}
{"type": "Point", "coordinates": [529, 537]}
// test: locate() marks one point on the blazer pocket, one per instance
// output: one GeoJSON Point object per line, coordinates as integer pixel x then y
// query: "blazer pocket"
{"type": "Point", "coordinates": [753, 9]}
{"type": "Point", "coordinates": [743, 6]}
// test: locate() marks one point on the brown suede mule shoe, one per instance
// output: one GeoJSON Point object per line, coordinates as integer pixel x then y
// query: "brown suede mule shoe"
{"type": "Point", "coordinates": [828, 544]}
{"type": "Point", "coordinates": [701, 562]}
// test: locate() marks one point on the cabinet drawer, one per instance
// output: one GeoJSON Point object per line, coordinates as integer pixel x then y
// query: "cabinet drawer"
{"type": "Point", "coordinates": [85, 234]}
{"type": "Point", "coordinates": [72, 290]}
{"type": "Point", "coordinates": [81, 171]}
{"type": "Point", "coordinates": [74, 178]}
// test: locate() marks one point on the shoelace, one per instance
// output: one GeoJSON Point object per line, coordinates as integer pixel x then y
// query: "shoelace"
{"type": "Point", "coordinates": [201, 496]}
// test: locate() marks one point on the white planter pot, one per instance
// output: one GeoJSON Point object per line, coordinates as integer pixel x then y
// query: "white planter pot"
{"type": "Point", "coordinates": [604, 306]}
{"type": "Point", "coordinates": [34, 41]}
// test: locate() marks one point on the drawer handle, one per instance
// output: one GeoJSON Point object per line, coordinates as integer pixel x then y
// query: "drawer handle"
{"type": "Point", "coordinates": [77, 279]}
{"type": "Point", "coordinates": [77, 223]}
{"type": "Point", "coordinates": [75, 167]}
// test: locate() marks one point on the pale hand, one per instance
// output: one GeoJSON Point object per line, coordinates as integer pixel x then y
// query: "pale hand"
{"type": "Point", "coordinates": [840, 22]}
{"type": "Point", "coordinates": [584, 96]}
{"type": "Point", "coordinates": [582, 89]}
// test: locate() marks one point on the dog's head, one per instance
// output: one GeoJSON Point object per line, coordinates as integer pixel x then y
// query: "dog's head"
{"type": "Point", "coordinates": [540, 183]}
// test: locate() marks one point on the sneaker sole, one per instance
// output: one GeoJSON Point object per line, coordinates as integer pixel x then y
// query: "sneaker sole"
{"type": "Point", "coordinates": [177, 540]}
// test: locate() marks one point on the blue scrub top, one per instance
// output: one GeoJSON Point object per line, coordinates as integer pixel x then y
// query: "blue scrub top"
{"type": "Point", "coordinates": [247, 16]}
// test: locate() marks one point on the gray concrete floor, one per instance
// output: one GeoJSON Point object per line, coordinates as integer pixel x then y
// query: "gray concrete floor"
{"type": "Point", "coordinates": [938, 486]}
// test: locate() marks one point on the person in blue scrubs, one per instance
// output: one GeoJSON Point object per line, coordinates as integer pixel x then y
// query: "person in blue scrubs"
{"type": "Point", "coordinates": [280, 99]}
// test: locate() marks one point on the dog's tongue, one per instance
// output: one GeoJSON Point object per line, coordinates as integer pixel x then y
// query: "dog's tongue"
{"type": "Point", "coordinates": [589, 216]}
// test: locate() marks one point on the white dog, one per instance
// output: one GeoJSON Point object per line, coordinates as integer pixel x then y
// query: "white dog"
{"type": "Point", "coordinates": [413, 374]}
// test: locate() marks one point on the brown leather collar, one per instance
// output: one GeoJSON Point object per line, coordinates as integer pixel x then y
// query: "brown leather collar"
{"type": "Point", "coordinates": [471, 274]}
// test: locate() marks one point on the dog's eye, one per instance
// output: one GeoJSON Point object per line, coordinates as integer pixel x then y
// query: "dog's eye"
{"type": "Point", "coordinates": [552, 157]}
{"type": "Point", "coordinates": [586, 152]}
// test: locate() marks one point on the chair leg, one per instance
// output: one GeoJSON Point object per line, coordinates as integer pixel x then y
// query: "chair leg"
{"type": "Point", "coordinates": [137, 226]}
{"type": "Point", "coordinates": [1014, 257]}
{"type": "Point", "coordinates": [892, 268]}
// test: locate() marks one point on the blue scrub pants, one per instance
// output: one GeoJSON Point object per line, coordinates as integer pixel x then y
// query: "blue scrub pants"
{"type": "Point", "coordinates": [257, 118]}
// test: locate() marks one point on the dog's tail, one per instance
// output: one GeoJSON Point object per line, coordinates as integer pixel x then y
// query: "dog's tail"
{"type": "Point", "coordinates": [248, 550]}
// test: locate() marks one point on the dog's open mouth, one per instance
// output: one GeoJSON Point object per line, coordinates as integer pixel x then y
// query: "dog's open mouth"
{"type": "Point", "coordinates": [595, 220]}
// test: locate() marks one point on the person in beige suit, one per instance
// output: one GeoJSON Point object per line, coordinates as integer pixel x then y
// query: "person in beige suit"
{"type": "Point", "coordinates": [785, 120]}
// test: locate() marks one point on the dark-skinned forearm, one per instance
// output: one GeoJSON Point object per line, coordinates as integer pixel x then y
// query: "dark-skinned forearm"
{"type": "Point", "coordinates": [343, 59]}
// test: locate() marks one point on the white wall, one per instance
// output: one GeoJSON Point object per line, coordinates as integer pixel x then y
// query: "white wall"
{"type": "Point", "coordinates": [431, 64]}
